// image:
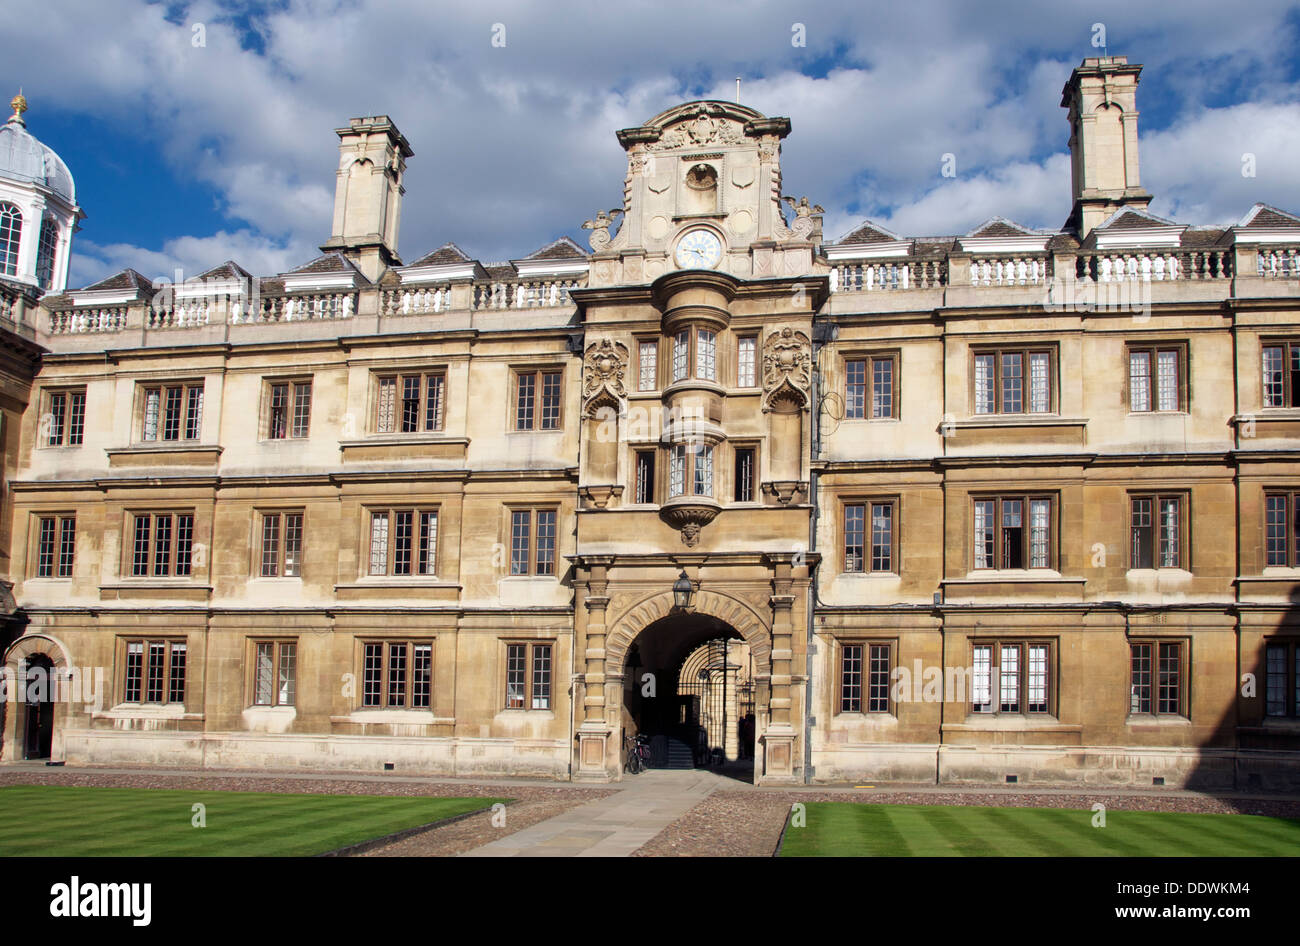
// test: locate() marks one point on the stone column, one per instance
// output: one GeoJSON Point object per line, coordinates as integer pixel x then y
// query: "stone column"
{"type": "Point", "coordinates": [780, 738]}
{"type": "Point", "coordinates": [595, 727]}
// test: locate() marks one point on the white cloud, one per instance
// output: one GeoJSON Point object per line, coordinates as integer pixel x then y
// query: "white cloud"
{"type": "Point", "coordinates": [515, 145]}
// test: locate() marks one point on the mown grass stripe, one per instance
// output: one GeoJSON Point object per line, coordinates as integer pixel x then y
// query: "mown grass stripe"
{"type": "Point", "coordinates": [62, 820]}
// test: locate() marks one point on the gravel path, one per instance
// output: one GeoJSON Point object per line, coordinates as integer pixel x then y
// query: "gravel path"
{"type": "Point", "coordinates": [469, 833]}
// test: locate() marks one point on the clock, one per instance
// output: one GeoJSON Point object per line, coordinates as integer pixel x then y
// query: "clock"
{"type": "Point", "coordinates": [699, 249]}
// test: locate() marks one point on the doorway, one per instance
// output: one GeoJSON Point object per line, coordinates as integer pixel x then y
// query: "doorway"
{"type": "Point", "coordinates": [38, 706]}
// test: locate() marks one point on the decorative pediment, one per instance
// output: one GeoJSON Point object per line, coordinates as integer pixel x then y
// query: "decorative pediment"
{"type": "Point", "coordinates": [604, 370]}
{"type": "Point", "coordinates": [787, 370]}
{"type": "Point", "coordinates": [706, 127]}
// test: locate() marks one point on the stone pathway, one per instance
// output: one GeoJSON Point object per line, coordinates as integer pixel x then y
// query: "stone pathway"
{"type": "Point", "coordinates": [614, 826]}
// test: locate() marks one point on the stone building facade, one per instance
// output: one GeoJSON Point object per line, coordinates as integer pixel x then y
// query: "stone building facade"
{"type": "Point", "coordinates": [1010, 503]}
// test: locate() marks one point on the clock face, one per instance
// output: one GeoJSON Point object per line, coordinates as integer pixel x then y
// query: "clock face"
{"type": "Point", "coordinates": [699, 249]}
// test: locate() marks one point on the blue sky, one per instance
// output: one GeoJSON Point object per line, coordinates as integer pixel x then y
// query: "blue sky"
{"type": "Point", "coordinates": [185, 155]}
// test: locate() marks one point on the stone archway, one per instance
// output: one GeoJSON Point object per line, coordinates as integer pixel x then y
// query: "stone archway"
{"type": "Point", "coordinates": [732, 616]}
{"type": "Point", "coordinates": [15, 703]}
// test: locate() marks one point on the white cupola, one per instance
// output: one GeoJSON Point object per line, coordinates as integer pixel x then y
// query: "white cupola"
{"type": "Point", "coordinates": [38, 208]}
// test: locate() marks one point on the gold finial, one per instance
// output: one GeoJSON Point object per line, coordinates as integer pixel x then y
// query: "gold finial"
{"type": "Point", "coordinates": [19, 104]}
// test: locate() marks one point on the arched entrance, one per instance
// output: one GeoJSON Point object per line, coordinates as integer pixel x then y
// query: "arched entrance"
{"type": "Point", "coordinates": [683, 682]}
{"type": "Point", "coordinates": [36, 670]}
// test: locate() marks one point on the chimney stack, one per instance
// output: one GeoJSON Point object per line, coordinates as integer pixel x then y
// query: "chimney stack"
{"type": "Point", "coordinates": [368, 193]}
{"type": "Point", "coordinates": [1101, 97]}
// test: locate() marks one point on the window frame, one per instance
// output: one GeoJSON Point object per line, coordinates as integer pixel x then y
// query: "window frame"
{"type": "Point", "coordinates": [278, 646]}
{"type": "Point", "coordinates": [1184, 499]}
{"type": "Point", "coordinates": [652, 484]}
{"type": "Point", "coordinates": [293, 405]}
{"type": "Point", "coordinates": [1025, 351]}
{"type": "Point", "coordinates": [11, 237]}
{"type": "Point", "coordinates": [755, 380]}
{"type": "Point", "coordinates": [187, 389]}
{"type": "Point", "coordinates": [72, 420]}
{"type": "Point", "coordinates": [754, 490]}
{"type": "Point", "coordinates": [693, 354]}
{"type": "Point", "coordinates": [62, 560]}
{"type": "Point", "coordinates": [167, 685]}
{"type": "Point", "coordinates": [1291, 684]}
{"type": "Point", "coordinates": [259, 546]}
{"type": "Point", "coordinates": [533, 563]}
{"type": "Point", "coordinates": [1023, 645]}
{"type": "Point", "coordinates": [866, 504]}
{"type": "Point", "coordinates": [398, 378]}
{"type": "Point", "coordinates": [868, 361]}
{"type": "Point", "coordinates": [131, 537]}
{"type": "Point", "coordinates": [864, 703]}
{"type": "Point", "coordinates": [1157, 644]}
{"type": "Point", "coordinates": [386, 645]}
{"type": "Point", "coordinates": [1290, 353]}
{"type": "Point", "coordinates": [530, 670]}
{"type": "Point", "coordinates": [539, 374]}
{"type": "Point", "coordinates": [418, 546]}
{"type": "Point", "coordinates": [1290, 528]}
{"type": "Point", "coordinates": [646, 383]}
{"type": "Point", "coordinates": [1153, 349]}
{"type": "Point", "coordinates": [691, 451]}
{"type": "Point", "coordinates": [1026, 500]}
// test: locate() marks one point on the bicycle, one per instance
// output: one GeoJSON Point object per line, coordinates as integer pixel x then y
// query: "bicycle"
{"type": "Point", "coordinates": [638, 753]}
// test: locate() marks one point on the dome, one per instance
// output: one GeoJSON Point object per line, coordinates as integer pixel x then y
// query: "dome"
{"type": "Point", "coordinates": [23, 158]}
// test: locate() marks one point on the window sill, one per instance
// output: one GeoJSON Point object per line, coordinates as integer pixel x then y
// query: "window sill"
{"type": "Point", "coordinates": [872, 420]}
{"type": "Point", "coordinates": [534, 713]}
{"type": "Point", "coordinates": [389, 581]}
{"type": "Point", "coordinates": [174, 452]}
{"type": "Point", "coordinates": [1011, 722]}
{"type": "Point", "coordinates": [276, 579]}
{"type": "Point", "coordinates": [395, 716]}
{"type": "Point", "coordinates": [1178, 413]}
{"type": "Point", "coordinates": [146, 711]}
{"type": "Point", "coordinates": [862, 576]}
{"type": "Point", "coordinates": [1029, 576]}
{"type": "Point", "coordinates": [1277, 725]}
{"type": "Point", "coordinates": [1147, 722]}
{"type": "Point", "coordinates": [1019, 420]}
{"type": "Point", "coordinates": [1158, 573]}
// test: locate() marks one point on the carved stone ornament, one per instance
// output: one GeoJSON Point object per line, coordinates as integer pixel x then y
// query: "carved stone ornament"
{"type": "Point", "coordinates": [703, 129]}
{"type": "Point", "coordinates": [787, 369]}
{"type": "Point", "coordinates": [604, 370]}
{"type": "Point", "coordinates": [689, 518]}
{"type": "Point", "coordinates": [599, 227]}
{"type": "Point", "coordinates": [807, 224]}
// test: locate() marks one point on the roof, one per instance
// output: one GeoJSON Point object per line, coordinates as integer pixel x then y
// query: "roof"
{"type": "Point", "coordinates": [1132, 219]}
{"type": "Point", "coordinates": [563, 248]}
{"type": "Point", "coordinates": [868, 232]}
{"type": "Point", "coordinates": [1001, 227]}
{"type": "Point", "coordinates": [227, 270]}
{"type": "Point", "coordinates": [126, 279]}
{"type": "Point", "coordinates": [447, 253]}
{"type": "Point", "coordinates": [1262, 215]}
{"type": "Point", "coordinates": [25, 159]}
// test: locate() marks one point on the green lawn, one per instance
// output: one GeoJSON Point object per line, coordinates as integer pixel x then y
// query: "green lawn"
{"type": "Point", "coordinates": [72, 821]}
{"type": "Point", "coordinates": [841, 829]}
